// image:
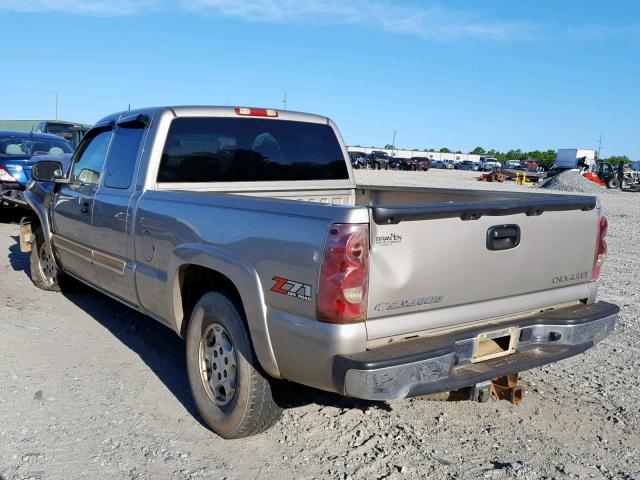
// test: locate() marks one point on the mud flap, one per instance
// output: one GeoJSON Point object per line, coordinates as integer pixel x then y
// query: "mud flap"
{"type": "Point", "coordinates": [26, 235]}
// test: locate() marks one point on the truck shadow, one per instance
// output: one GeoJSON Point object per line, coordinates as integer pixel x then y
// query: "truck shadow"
{"type": "Point", "coordinates": [164, 352]}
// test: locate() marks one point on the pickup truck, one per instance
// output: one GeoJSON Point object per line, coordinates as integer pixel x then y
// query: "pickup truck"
{"type": "Point", "coordinates": [243, 230]}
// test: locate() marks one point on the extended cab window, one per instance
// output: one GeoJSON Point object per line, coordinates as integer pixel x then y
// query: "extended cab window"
{"type": "Point", "coordinates": [250, 150]}
{"type": "Point", "coordinates": [90, 159]}
{"type": "Point", "coordinates": [123, 154]}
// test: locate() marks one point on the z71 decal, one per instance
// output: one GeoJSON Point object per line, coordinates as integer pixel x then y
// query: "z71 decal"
{"type": "Point", "coordinates": [292, 288]}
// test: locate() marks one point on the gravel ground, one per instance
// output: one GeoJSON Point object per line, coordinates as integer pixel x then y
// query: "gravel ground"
{"type": "Point", "coordinates": [572, 181]}
{"type": "Point", "coordinates": [90, 389]}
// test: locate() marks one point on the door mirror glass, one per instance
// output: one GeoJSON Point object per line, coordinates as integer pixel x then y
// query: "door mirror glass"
{"type": "Point", "coordinates": [47, 171]}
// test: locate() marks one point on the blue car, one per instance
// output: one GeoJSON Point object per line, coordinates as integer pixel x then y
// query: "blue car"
{"type": "Point", "coordinates": [18, 153]}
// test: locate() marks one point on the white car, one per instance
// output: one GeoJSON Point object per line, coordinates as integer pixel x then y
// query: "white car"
{"type": "Point", "coordinates": [489, 163]}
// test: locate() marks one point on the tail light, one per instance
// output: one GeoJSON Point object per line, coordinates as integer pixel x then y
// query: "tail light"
{"type": "Point", "coordinates": [6, 176]}
{"type": "Point", "coordinates": [256, 112]}
{"type": "Point", "coordinates": [344, 275]}
{"type": "Point", "coordinates": [601, 248]}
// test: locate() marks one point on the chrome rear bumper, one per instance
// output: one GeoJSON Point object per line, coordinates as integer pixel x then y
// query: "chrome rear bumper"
{"type": "Point", "coordinates": [443, 363]}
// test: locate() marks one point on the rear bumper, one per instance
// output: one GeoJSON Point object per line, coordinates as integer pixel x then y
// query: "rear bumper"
{"type": "Point", "coordinates": [443, 363]}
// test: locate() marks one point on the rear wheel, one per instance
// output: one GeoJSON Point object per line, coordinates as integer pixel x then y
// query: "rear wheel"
{"type": "Point", "coordinates": [44, 270]}
{"type": "Point", "coordinates": [231, 393]}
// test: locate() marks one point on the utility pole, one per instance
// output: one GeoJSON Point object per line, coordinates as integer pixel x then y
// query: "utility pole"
{"type": "Point", "coordinates": [56, 106]}
{"type": "Point", "coordinates": [599, 146]}
{"type": "Point", "coordinates": [393, 143]}
{"type": "Point", "coordinates": [284, 100]}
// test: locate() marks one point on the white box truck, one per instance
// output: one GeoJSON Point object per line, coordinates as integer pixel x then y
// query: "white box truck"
{"type": "Point", "coordinates": [571, 158]}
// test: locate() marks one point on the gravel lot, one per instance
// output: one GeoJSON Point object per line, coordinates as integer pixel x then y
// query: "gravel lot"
{"type": "Point", "coordinates": [90, 389]}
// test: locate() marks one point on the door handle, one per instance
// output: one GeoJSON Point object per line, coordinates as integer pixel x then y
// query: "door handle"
{"type": "Point", "coordinates": [503, 237]}
{"type": "Point", "coordinates": [85, 207]}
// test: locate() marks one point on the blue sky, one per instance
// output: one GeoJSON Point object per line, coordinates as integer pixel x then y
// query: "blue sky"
{"type": "Point", "coordinates": [539, 74]}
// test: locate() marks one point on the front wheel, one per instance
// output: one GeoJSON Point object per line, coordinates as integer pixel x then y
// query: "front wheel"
{"type": "Point", "coordinates": [44, 270]}
{"type": "Point", "coordinates": [231, 393]}
{"type": "Point", "coordinates": [613, 183]}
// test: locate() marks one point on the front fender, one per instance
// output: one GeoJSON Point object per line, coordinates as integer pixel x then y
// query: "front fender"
{"type": "Point", "coordinates": [39, 200]}
{"type": "Point", "coordinates": [246, 280]}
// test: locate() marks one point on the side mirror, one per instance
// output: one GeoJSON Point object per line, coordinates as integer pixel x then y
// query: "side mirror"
{"type": "Point", "coordinates": [48, 171]}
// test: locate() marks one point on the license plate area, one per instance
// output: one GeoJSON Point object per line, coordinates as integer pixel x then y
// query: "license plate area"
{"type": "Point", "coordinates": [494, 344]}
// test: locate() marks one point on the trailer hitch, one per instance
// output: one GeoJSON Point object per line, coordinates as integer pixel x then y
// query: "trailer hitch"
{"type": "Point", "coordinates": [501, 388]}
{"type": "Point", "coordinates": [507, 388]}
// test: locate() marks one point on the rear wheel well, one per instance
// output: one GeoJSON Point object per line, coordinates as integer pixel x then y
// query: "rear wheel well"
{"type": "Point", "coordinates": [194, 282]}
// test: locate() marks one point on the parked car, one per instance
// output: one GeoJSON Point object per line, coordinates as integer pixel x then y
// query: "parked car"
{"type": "Point", "coordinates": [444, 164]}
{"type": "Point", "coordinates": [18, 153]}
{"type": "Point", "coordinates": [489, 163]}
{"type": "Point", "coordinates": [273, 284]}
{"type": "Point", "coordinates": [379, 160]}
{"type": "Point", "coordinates": [512, 164]}
{"type": "Point", "coordinates": [397, 163]}
{"type": "Point", "coordinates": [419, 163]}
{"type": "Point", "coordinates": [359, 160]}
{"type": "Point", "coordinates": [71, 132]}
{"type": "Point", "coordinates": [467, 165]}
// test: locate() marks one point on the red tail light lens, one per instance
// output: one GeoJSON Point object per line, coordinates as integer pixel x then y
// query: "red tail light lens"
{"type": "Point", "coordinates": [601, 248]}
{"type": "Point", "coordinates": [256, 112]}
{"type": "Point", "coordinates": [344, 275]}
{"type": "Point", "coordinates": [6, 176]}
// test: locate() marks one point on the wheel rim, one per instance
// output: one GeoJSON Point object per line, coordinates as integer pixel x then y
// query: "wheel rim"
{"type": "Point", "coordinates": [47, 266]}
{"type": "Point", "coordinates": [218, 364]}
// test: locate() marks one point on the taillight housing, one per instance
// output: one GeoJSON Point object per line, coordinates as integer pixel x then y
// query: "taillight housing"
{"type": "Point", "coordinates": [344, 275]}
{"type": "Point", "coordinates": [256, 112]}
{"type": "Point", "coordinates": [6, 177]}
{"type": "Point", "coordinates": [601, 248]}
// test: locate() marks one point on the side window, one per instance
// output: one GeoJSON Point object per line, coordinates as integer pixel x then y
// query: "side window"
{"type": "Point", "coordinates": [123, 154]}
{"type": "Point", "coordinates": [89, 161]}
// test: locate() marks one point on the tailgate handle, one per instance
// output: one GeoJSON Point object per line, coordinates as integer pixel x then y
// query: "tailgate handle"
{"type": "Point", "coordinates": [503, 237]}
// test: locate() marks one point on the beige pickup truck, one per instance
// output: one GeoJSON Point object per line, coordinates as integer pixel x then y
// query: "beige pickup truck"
{"type": "Point", "coordinates": [244, 231]}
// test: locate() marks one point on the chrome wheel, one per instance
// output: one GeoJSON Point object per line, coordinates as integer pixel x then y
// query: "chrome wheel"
{"type": "Point", "coordinates": [47, 266]}
{"type": "Point", "coordinates": [218, 364]}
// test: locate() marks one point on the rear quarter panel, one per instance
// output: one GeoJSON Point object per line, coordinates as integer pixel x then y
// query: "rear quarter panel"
{"type": "Point", "coordinates": [249, 240]}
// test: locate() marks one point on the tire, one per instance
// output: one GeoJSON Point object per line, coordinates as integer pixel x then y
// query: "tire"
{"type": "Point", "coordinates": [239, 403]}
{"type": "Point", "coordinates": [613, 183]}
{"type": "Point", "coordinates": [45, 273]}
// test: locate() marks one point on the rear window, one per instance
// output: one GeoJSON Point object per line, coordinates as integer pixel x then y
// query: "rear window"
{"type": "Point", "coordinates": [250, 150]}
{"type": "Point", "coordinates": [28, 146]}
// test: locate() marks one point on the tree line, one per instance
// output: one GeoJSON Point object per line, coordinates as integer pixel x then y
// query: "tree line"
{"type": "Point", "coordinates": [546, 157]}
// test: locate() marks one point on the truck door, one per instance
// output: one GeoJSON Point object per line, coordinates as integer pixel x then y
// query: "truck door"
{"type": "Point", "coordinates": [73, 205]}
{"type": "Point", "coordinates": [112, 211]}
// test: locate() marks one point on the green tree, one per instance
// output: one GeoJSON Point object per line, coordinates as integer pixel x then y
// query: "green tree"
{"type": "Point", "coordinates": [618, 159]}
{"type": "Point", "coordinates": [477, 151]}
{"type": "Point", "coordinates": [444, 150]}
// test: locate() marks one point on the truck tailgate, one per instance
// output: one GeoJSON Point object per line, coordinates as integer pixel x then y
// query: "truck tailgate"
{"type": "Point", "coordinates": [428, 259]}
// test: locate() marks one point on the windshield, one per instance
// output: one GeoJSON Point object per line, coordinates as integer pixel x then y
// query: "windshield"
{"type": "Point", "coordinates": [27, 146]}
